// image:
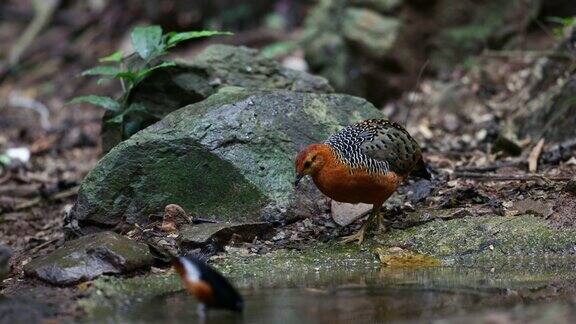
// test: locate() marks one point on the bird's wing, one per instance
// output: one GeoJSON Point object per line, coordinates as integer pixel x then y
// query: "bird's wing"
{"type": "Point", "coordinates": [389, 143]}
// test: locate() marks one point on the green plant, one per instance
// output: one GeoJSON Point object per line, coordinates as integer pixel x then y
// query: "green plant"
{"type": "Point", "coordinates": [564, 23]}
{"type": "Point", "coordinates": [150, 44]}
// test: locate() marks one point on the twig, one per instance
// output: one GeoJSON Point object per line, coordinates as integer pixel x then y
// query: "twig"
{"type": "Point", "coordinates": [65, 194]}
{"type": "Point", "coordinates": [492, 167]}
{"type": "Point", "coordinates": [506, 177]}
{"type": "Point", "coordinates": [43, 14]}
{"type": "Point", "coordinates": [534, 155]}
{"type": "Point", "coordinates": [57, 196]}
{"type": "Point", "coordinates": [28, 204]}
{"type": "Point", "coordinates": [16, 99]}
{"type": "Point", "coordinates": [43, 245]}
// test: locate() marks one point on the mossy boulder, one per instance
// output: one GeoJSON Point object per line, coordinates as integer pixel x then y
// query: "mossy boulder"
{"type": "Point", "coordinates": [217, 66]}
{"type": "Point", "coordinates": [227, 158]}
{"type": "Point", "coordinates": [374, 33]}
{"type": "Point", "coordinates": [485, 240]}
{"type": "Point", "coordinates": [89, 257]}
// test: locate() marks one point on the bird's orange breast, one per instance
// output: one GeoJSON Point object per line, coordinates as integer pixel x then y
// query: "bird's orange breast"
{"type": "Point", "coordinates": [337, 182]}
{"type": "Point", "coordinates": [201, 290]}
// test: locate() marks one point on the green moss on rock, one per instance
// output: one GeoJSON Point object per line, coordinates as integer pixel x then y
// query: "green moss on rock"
{"type": "Point", "coordinates": [485, 240]}
{"type": "Point", "coordinates": [228, 158]}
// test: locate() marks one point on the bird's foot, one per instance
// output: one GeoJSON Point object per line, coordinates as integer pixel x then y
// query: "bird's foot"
{"type": "Point", "coordinates": [358, 236]}
{"type": "Point", "coordinates": [381, 224]}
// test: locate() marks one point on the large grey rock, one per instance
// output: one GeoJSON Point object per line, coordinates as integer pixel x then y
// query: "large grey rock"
{"type": "Point", "coordinates": [217, 66]}
{"type": "Point", "coordinates": [89, 257]}
{"type": "Point", "coordinates": [227, 158]}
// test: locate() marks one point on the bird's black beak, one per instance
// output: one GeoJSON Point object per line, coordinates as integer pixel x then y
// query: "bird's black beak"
{"type": "Point", "coordinates": [298, 178]}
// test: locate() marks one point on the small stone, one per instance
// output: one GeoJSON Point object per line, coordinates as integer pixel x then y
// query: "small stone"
{"type": "Point", "coordinates": [279, 236]}
{"type": "Point", "coordinates": [571, 186]}
{"type": "Point", "coordinates": [535, 207]}
{"type": "Point", "coordinates": [193, 236]}
{"type": "Point", "coordinates": [345, 214]}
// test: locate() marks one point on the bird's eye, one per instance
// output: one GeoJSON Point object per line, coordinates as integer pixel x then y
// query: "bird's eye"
{"type": "Point", "coordinates": [307, 164]}
{"type": "Point", "coordinates": [314, 158]}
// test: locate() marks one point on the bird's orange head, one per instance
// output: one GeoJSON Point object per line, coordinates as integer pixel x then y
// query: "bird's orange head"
{"type": "Point", "coordinates": [311, 160]}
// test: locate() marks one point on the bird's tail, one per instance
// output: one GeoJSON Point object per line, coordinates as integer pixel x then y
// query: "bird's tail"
{"type": "Point", "coordinates": [421, 171]}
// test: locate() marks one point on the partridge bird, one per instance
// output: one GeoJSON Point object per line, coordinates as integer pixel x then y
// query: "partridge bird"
{"type": "Point", "coordinates": [207, 285]}
{"type": "Point", "coordinates": [362, 163]}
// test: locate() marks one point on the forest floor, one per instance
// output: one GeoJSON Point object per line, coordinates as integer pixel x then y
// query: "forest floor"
{"type": "Point", "coordinates": [63, 142]}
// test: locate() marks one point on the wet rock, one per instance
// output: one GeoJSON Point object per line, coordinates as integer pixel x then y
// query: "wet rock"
{"type": "Point", "coordinates": [5, 254]}
{"type": "Point", "coordinates": [194, 236]}
{"type": "Point", "coordinates": [89, 257]}
{"type": "Point", "coordinates": [485, 240]}
{"type": "Point", "coordinates": [171, 88]}
{"type": "Point", "coordinates": [345, 214]}
{"type": "Point", "coordinates": [227, 158]}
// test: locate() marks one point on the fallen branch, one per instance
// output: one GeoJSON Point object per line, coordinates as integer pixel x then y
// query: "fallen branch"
{"type": "Point", "coordinates": [57, 196]}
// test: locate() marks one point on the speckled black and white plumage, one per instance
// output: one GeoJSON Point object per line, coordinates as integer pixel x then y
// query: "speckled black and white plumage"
{"type": "Point", "coordinates": [377, 146]}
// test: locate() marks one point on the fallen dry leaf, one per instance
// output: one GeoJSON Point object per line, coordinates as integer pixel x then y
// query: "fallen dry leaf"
{"type": "Point", "coordinates": [534, 155]}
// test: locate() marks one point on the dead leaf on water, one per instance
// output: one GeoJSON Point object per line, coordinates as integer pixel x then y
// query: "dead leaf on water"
{"type": "Point", "coordinates": [397, 257]}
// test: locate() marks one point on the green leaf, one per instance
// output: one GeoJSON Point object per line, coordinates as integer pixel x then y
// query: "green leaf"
{"type": "Point", "coordinates": [135, 107]}
{"type": "Point", "coordinates": [104, 102]}
{"type": "Point", "coordinates": [174, 38]}
{"type": "Point", "coordinates": [127, 75]}
{"type": "Point", "coordinates": [143, 73]}
{"type": "Point", "coordinates": [117, 119]}
{"type": "Point", "coordinates": [147, 41]}
{"type": "Point", "coordinates": [103, 80]}
{"type": "Point", "coordinates": [5, 160]}
{"type": "Point", "coordinates": [102, 70]}
{"type": "Point", "coordinates": [114, 57]}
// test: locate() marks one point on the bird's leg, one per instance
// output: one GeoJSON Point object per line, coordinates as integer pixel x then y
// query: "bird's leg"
{"type": "Point", "coordinates": [359, 236]}
{"type": "Point", "coordinates": [381, 224]}
{"type": "Point", "coordinates": [201, 312]}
